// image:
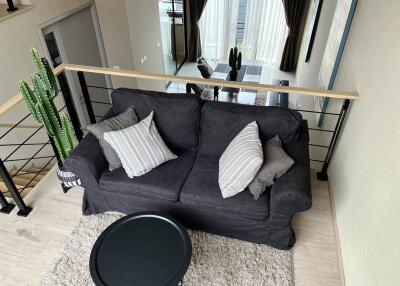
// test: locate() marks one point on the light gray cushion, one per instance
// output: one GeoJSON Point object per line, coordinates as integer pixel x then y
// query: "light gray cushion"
{"type": "Point", "coordinates": [139, 147]}
{"type": "Point", "coordinates": [276, 163]}
{"type": "Point", "coordinates": [121, 121]}
{"type": "Point", "coordinates": [241, 161]}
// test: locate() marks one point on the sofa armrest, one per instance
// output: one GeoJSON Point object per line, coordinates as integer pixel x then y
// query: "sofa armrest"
{"type": "Point", "coordinates": [291, 193]}
{"type": "Point", "coordinates": [87, 161]}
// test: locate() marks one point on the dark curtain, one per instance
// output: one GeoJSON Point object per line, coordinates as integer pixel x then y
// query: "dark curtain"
{"type": "Point", "coordinates": [196, 9]}
{"type": "Point", "coordinates": [294, 12]}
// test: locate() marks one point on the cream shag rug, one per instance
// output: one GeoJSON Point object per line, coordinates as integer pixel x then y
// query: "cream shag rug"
{"type": "Point", "coordinates": [216, 260]}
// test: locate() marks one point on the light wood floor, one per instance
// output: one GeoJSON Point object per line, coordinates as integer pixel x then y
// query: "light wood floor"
{"type": "Point", "coordinates": [29, 245]}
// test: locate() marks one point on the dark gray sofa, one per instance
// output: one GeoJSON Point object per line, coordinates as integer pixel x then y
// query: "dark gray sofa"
{"type": "Point", "coordinates": [187, 187]}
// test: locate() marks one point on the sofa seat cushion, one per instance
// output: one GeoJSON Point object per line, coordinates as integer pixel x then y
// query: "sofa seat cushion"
{"type": "Point", "coordinates": [163, 182]}
{"type": "Point", "coordinates": [202, 189]}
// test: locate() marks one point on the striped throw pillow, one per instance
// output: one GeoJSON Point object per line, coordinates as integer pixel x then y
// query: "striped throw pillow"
{"type": "Point", "coordinates": [241, 161]}
{"type": "Point", "coordinates": [139, 147]}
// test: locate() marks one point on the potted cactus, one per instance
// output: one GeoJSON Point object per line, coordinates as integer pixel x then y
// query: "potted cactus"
{"type": "Point", "coordinates": [40, 101]}
{"type": "Point", "coordinates": [235, 62]}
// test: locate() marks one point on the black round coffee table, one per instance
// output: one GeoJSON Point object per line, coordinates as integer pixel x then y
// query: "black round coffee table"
{"type": "Point", "coordinates": [144, 248]}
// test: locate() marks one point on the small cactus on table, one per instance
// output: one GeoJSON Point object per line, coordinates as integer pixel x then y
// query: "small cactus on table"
{"type": "Point", "coordinates": [235, 59]}
{"type": "Point", "coordinates": [40, 102]}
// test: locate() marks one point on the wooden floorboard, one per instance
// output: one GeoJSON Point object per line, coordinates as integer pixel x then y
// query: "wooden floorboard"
{"type": "Point", "coordinates": [29, 245]}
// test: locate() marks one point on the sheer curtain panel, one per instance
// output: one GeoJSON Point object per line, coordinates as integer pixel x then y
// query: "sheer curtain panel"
{"type": "Point", "coordinates": [265, 31]}
{"type": "Point", "coordinates": [218, 28]}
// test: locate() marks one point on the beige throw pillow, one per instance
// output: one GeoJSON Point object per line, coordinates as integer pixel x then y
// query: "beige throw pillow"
{"type": "Point", "coordinates": [240, 161]}
{"type": "Point", "coordinates": [139, 147]}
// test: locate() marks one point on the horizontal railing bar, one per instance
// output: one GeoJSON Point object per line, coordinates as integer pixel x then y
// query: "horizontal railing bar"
{"type": "Point", "coordinates": [34, 177]}
{"type": "Point", "coordinates": [100, 87]}
{"type": "Point", "coordinates": [214, 82]}
{"type": "Point", "coordinates": [316, 145]}
{"type": "Point", "coordinates": [27, 185]}
{"type": "Point", "coordinates": [27, 159]}
{"type": "Point", "coordinates": [99, 102]}
{"type": "Point", "coordinates": [5, 107]}
{"type": "Point", "coordinates": [26, 140]}
{"type": "Point", "coordinates": [319, 161]}
{"type": "Point", "coordinates": [319, 112]}
{"type": "Point", "coordinates": [323, 130]}
{"type": "Point", "coordinates": [26, 173]}
{"type": "Point", "coordinates": [12, 128]}
{"type": "Point", "coordinates": [33, 156]}
{"type": "Point", "coordinates": [25, 144]}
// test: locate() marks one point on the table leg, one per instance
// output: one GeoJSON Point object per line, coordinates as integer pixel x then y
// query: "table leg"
{"type": "Point", "coordinates": [216, 91]}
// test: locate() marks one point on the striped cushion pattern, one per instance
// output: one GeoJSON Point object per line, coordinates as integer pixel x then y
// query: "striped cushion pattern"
{"type": "Point", "coordinates": [139, 147]}
{"type": "Point", "coordinates": [241, 161]}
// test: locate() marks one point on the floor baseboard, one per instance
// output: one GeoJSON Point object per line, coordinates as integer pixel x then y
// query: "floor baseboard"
{"type": "Point", "coordinates": [334, 221]}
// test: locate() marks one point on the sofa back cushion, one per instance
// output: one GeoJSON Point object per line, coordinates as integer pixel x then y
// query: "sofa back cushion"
{"type": "Point", "coordinates": [177, 116]}
{"type": "Point", "coordinates": [221, 122]}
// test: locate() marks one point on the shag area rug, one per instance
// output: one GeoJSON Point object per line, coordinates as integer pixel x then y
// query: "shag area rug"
{"type": "Point", "coordinates": [216, 260]}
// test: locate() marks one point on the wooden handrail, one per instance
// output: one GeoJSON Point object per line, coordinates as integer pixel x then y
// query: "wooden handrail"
{"type": "Point", "coordinates": [9, 104]}
{"type": "Point", "coordinates": [184, 79]}
{"type": "Point", "coordinates": [214, 82]}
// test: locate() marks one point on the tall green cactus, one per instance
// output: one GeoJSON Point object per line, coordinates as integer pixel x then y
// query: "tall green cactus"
{"type": "Point", "coordinates": [235, 59]}
{"type": "Point", "coordinates": [40, 102]}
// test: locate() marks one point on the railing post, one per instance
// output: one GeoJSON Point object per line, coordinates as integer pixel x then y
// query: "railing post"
{"type": "Point", "coordinates": [70, 106]}
{"type": "Point", "coordinates": [23, 209]}
{"type": "Point", "coordinates": [323, 175]}
{"type": "Point", "coordinates": [6, 207]}
{"type": "Point", "coordinates": [86, 97]}
{"type": "Point", "coordinates": [188, 88]}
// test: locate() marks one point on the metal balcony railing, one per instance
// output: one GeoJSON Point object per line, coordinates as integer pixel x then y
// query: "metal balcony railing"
{"type": "Point", "coordinates": [24, 210]}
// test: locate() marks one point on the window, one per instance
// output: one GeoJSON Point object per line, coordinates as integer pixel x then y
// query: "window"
{"type": "Point", "coordinates": [257, 27]}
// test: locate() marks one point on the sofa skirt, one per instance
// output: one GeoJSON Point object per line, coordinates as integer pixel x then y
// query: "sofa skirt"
{"type": "Point", "coordinates": [277, 233]}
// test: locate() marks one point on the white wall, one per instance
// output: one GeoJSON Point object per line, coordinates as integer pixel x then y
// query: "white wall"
{"type": "Point", "coordinates": [307, 76]}
{"type": "Point", "coordinates": [17, 35]}
{"type": "Point", "coordinates": [130, 30]}
{"type": "Point", "coordinates": [307, 73]}
{"type": "Point", "coordinates": [365, 172]}
{"type": "Point", "coordinates": [115, 31]}
{"type": "Point", "coordinates": [145, 36]}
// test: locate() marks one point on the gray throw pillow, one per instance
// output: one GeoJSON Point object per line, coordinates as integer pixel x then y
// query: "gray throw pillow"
{"type": "Point", "coordinates": [121, 121]}
{"type": "Point", "coordinates": [276, 163]}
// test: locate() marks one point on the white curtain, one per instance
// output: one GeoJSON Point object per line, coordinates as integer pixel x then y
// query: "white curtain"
{"type": "Point", "coordinates": [265, 31]}
{"type": "Point", "coordinates": [218, 28]}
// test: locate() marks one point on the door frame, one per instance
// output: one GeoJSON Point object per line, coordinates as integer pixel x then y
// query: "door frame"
{"type": "Point", "coordinates": [71, 83]}
{"type": "Point", "coordinates": [78, 101]}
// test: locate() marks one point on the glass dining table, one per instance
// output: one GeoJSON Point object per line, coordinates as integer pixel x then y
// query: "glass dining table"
{"type": "Point", "coordinates": [250, 72]}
